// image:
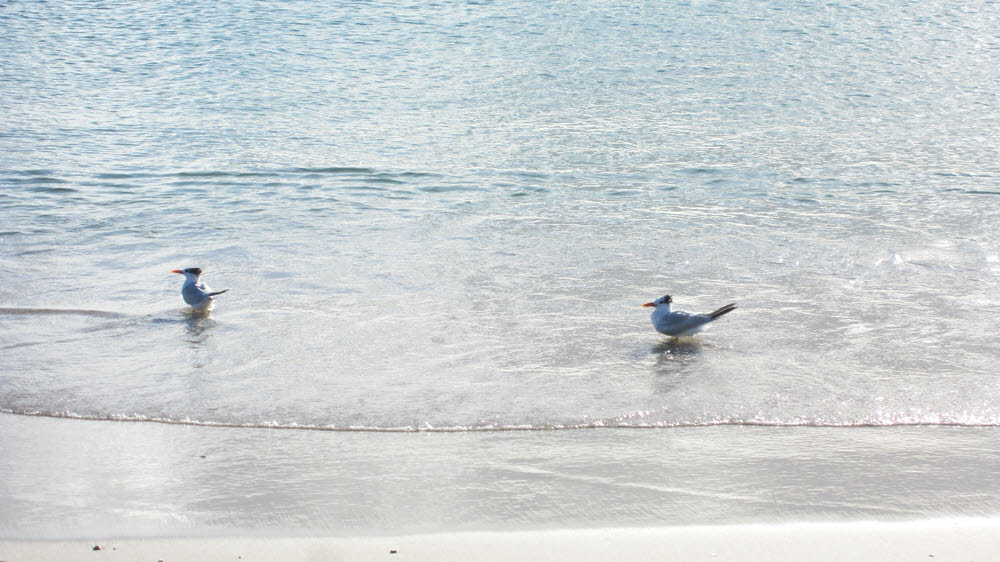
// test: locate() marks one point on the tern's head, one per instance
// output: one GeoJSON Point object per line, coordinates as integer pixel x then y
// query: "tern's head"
{"type": "Point", "coordinates": [665, 300]}
{"type": "Point", "coordinates": [191, 272]}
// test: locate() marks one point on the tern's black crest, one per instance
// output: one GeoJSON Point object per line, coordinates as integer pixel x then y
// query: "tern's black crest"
{"type": "Point", "coordinates": [667, 299]}
{"type": "Point", "coordinates": [195, 270]}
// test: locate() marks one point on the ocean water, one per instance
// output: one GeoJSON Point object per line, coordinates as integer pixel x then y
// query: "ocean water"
{"type": "Point", "coordinates": [444, 217]}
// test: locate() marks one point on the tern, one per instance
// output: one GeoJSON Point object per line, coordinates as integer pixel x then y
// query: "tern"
{"type": "Point", "coordinates": [678, 323]}
{"type": "Point", "coordinates": [196, 294]}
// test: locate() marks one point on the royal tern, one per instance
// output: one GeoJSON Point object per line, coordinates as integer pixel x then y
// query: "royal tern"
{"type": "Point", "coordinates": [196, 294]}
{"type": "Point", "coordinates": [679, 323]}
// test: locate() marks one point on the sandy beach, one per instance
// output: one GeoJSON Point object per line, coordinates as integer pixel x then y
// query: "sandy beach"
{"type": "Point", "coordinates": [955, 539]}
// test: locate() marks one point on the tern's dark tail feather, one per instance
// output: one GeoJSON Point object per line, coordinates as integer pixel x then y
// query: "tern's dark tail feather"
{"type": "Point", "coordinates": [722, 310]}
{"type": "Point", "coordinates": [217, 292]}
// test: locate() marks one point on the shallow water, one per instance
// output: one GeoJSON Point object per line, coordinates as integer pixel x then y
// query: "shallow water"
{"type": "Point", "coordinates": [447, 217]}
{"type": "Point", "coordinates": [422, 310]}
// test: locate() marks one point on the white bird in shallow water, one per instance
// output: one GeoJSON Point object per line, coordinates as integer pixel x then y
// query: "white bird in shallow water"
{"type": "Point", "coordinates": [679, 323]}
{"type": "Point", "coordinates": [196, 294]}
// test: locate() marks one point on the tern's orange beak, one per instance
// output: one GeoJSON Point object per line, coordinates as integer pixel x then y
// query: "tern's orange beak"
{"type": "Point", "coordinates": [176, 271]}
{"type": "Point", "coordinates": [649, 304]}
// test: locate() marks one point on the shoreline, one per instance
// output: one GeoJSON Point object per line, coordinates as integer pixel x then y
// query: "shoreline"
{"type": "Point", "coordinates": [939, 539]}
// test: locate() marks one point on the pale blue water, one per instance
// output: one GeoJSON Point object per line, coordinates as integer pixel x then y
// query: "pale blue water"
{"type": "Point", "coordinates": [445, 216]}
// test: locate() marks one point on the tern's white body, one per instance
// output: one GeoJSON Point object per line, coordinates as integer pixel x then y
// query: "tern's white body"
{"type": "Point", "coordinates": [196, 293]}
{"type": "Point", "coordinates": [678, 323]}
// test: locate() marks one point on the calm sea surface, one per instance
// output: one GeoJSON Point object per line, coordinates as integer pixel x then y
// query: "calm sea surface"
{"type": "Point", "coordinates": [445, 216]}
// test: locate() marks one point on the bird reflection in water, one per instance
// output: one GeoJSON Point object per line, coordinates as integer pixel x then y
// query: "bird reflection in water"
{"type": "Point", "coordinates": [672, 349]}
{"type": "Point", "coordinates": [676, 359]}
{"type": "Point", "coordinates": [198, 326]}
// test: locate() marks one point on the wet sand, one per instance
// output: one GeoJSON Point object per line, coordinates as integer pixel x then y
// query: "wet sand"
{"type": "Point", "coordinates": [151, 491]}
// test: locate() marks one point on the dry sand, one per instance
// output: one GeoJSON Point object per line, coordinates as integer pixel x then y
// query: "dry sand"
{"type": "Point", "coordinates": [939, 540]}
